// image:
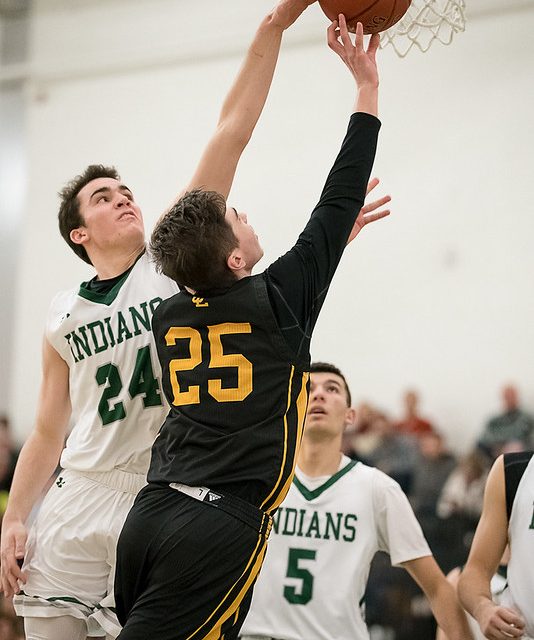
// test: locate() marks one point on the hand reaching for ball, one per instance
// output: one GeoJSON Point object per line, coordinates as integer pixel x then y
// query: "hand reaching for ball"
{"type": "Point", "coordinates": [361, 62]}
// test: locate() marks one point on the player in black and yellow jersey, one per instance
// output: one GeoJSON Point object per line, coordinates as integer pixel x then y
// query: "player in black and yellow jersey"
{"type": "Point", "coordinates": [234, 350]}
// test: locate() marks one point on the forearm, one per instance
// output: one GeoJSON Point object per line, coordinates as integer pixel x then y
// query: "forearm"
{"type": "Point", "coordinates": [245, 101]}
{"type": "Point", "coordinates": [36, 463]}
{"type": "Point", "coordinates": [449, 614]}
{"type": "Point", "coordinates": [345, 188]}
{"type": "Point", "coordinates": [474, 591]}
{"type": "Point", "coordinates": [367, 99]}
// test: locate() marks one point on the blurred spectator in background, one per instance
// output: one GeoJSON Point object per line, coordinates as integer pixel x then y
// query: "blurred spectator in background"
{"type": "Point", "coordinates": [463, 492]}
{"type": "Point", "coordinates": [359, 438]}
{"type": "Point", "coordinates": [512, 425]}
{"type": "Point", "coordinates": [433, 466]}
{"type": "Point", "coordinates": [412, 423]}
{"type": "Point", "coordinates": [460, 506]}
{"type": "Point", "coordinates": [8, 460]}
{"type": "Point", "coordinates": [9, 451]}
{"type": "Point", "coordinates": [395, 453]}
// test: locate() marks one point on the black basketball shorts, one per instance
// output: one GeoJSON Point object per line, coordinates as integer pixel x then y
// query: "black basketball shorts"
{"type": "Point", "coordinates": [186, 565]}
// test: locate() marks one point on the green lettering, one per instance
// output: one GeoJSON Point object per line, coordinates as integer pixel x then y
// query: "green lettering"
{"type": "Point", "coordinates": [82, 342]}
{"type": "Point", "coordinates": [331, 525]}
{"type": "Point", "coordinates": [143, 319]}
{"type": "Point", "coordinates": [314, 526]}
{"type": "Point", "coordinates": [290, 513]}
{"type": "Point", "coordinates": [122, 328]}
{"type": "Point", "coordinates": [348, 527]}
{"type": "Point", "coordinates": [96, 345]}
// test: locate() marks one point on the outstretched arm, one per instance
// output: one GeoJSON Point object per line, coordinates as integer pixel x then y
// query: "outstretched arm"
{"type": "Point", "coordinates": [245, 101]}
{"type": "Point", "coordinates": [490, 540]}
{"type": "Point", "coordinates": [37, 461]}
{"type": "Point", "coordinates": [360, 62]}
{"type": "Point", "coordinates": [442, 597]}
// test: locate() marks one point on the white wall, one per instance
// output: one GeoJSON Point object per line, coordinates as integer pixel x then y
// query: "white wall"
{"type": "Point", "coordinates": [437, 297]}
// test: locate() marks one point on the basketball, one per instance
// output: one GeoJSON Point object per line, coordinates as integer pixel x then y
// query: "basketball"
{"type": "Point", "coordinates": [375, 15]}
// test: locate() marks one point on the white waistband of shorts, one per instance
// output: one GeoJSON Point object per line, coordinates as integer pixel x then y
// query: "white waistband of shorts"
{"type": "Point", "coordinates": [115, 479]}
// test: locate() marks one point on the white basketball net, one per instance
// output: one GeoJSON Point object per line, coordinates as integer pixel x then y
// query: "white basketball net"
{"type": "Point", "coordinates": [424, 22]}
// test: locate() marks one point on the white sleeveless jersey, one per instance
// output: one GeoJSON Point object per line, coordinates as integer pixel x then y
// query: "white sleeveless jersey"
{"type": "Point", "coordinates": [114, 374]}
{"type": "Point", "coordinates": [520, 591]}
{"type": "Point", "coordinates": [321, 546]}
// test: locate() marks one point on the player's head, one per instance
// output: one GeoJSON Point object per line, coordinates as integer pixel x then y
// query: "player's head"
{"type": "Point", "coordinates": [98, 213]}
{"type": "Point", "coordinates": [329, 406]}
{"type": "Point", "coordinates": [202, 244]}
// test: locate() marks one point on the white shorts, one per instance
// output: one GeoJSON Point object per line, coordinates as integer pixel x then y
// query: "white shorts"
{"type": "Point", "coordinates": [70, 555]}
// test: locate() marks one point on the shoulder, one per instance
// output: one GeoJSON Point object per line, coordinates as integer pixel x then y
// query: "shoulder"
{"type": "Point", "coordinates": [62, 302]}
{"type": "Point", "coordinates": [381, 483]}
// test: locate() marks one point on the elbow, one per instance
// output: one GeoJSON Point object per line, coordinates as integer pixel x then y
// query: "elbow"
{"type": "Point", "coordinates": [236, 132]}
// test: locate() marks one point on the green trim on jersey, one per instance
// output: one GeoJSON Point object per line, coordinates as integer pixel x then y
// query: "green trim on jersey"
{"type": "Point", "coordinates": [311, 495]}
{"type": "Point", "coordinates": [104, 298]}
{"type": "Point", "coordinates": [109, 296]}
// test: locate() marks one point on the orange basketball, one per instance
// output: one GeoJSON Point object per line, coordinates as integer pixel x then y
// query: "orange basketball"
{"type": "Point", "coordinates": [375, 15]}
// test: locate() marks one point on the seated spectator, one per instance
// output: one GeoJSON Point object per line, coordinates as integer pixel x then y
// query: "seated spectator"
{"type": "Point", "coordinates": [395, 453]}
{"type": "Point", "coordinates": [460, 506]}
{"type": "Point", "coordinates": [433, 465]}
{"type": "Point", "coordinates": [412, 423]}
{"type": "Point", "coordinates": [359, 438]}
{"type": "Point", "coordinates": [8, 454]}
{"type": "Point", "coordinates": [463, 492]}
{"type": "Point", "coordinates": [512, 425]}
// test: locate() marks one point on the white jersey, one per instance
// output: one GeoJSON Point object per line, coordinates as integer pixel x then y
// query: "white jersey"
{"type": "Point", "coordinates": [520, 591]}
{"type": "Point", "coordinates": [114, 374]}
{"type": "Point", "coordinates": [324, 538]}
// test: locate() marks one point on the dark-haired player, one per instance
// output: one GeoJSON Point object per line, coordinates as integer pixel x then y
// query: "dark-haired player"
{"type": "Point", "coordinates": [100, 372]}
{"type": "Point", "coordinates": [336, 516]}
{"type": "Point", "coordinates": [235, 358]}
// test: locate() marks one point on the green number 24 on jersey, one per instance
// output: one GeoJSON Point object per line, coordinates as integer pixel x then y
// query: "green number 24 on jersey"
{"type": "Point", "coordinates": [143, 382]}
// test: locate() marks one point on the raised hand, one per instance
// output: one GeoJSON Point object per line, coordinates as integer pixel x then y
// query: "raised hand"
{"type": "Point", "coordinates": [361, 62]}
{"type": "Point", "coordinates": [367, 214]}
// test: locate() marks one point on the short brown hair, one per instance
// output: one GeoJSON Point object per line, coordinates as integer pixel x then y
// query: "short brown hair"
{"type": "Point", "coordinates": [69, 215]}
{"type": "Point", "coordinates": [193, 240]}
{"type": "Point", "coordinates": [326, 367]}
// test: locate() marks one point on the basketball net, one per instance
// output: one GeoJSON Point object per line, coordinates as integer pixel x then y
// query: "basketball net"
{"type": "Point", "coordinates": [424, 22]}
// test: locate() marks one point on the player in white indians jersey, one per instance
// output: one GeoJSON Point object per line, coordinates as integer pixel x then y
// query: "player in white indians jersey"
{"type": "Point", "coordinates": [101, 375]}
{"type": "Point", "coordinates": [336, 516]}
{"type": "Point", "coordinates": [507, 518]}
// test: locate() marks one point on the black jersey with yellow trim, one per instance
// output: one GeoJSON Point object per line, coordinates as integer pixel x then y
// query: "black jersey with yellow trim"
{"type": "Point", "coordinates": [235, 362]}
{"type": "Point", "coordinates": [238, 398]}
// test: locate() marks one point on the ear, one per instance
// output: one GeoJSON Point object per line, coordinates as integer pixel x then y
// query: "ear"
{"type": "Point", "coordinates": [350, 417]}
{"type": "Point", "coordinates": [235, 261]}
{"type": "Point", "coordinates": [79, 235]}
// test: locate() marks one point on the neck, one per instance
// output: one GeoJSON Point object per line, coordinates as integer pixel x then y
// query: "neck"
{"type": "Point", "coordinates": [112, 265]}
{"type": "Point", "coordinates": [319, 458]}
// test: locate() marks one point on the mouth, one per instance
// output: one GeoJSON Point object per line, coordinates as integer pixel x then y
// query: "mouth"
{"type": "Point", "coordinates": [127, 214]}
{"type": "Point", "coordinates": [316, 411]}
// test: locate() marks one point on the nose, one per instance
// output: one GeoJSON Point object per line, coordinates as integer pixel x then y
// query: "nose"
{"type": "Point", "coordinates": [316, 393]}
{"type": "Point", "coordinates": [122, 199]}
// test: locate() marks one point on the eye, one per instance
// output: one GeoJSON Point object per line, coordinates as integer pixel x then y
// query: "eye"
{"type": "Point", "coordinates": [102, 197]}
{"type": "Point", "coordinates": [333, 389]}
